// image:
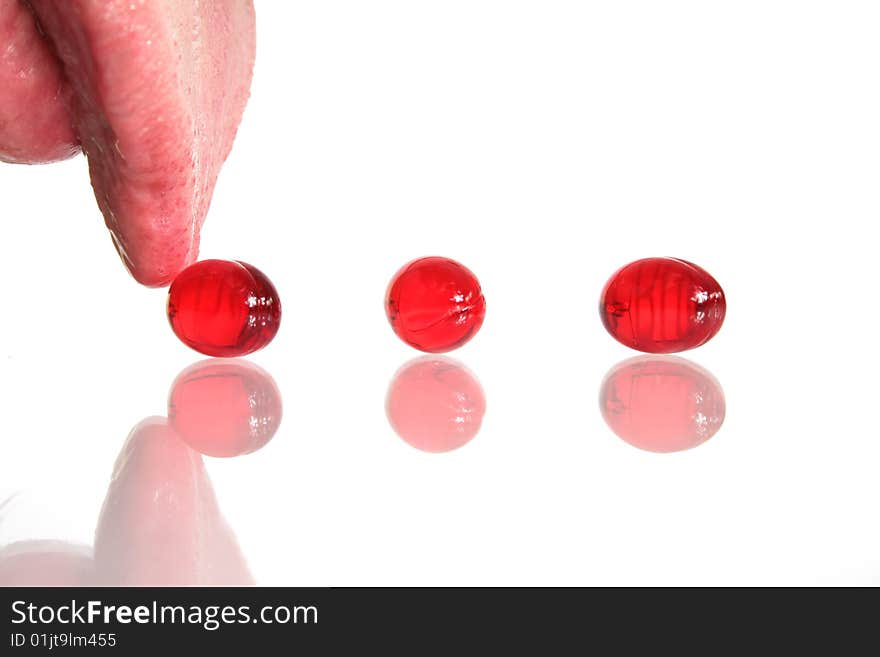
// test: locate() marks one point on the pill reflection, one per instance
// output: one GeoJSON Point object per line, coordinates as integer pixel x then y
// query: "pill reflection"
{"type": "Point", "coordinates": [224, 407]}
{"type": "Point", "coordinates": [435, 404]}
{"type": "Point", "coordinates": [662, 404]}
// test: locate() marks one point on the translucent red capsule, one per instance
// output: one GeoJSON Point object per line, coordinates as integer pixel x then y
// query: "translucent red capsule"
{"type": "Point", "coordinates": [224, 407]}
{"type": "Point", "coordinates": [435, 304]}
{"type": "Point", "coordinates": [224, 308]}
{"type": "Point", "coordinates": [662, 404]}
{"type": "Point", "coordinates": [662, 305]}
{"type": "Point", "coordinates": [435, 404]}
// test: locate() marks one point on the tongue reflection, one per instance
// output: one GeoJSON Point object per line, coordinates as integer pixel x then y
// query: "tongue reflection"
{"type": "Point", "coordinates": [161, 524]}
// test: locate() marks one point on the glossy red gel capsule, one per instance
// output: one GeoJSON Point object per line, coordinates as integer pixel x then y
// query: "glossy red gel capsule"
{"type": "Point", "coordinates": [662, 305]}
{"type": "Point", "coordinates": [224, 308]}
{"type": "Point", "coordinates": [435, 304]}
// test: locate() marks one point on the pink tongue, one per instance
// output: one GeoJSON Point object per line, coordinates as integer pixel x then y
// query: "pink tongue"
{"type": "Point", "coordinates": [158, 89]}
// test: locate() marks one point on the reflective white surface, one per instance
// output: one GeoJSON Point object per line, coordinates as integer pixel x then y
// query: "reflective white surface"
{"type": "Point", "coordinates": [543, 145]}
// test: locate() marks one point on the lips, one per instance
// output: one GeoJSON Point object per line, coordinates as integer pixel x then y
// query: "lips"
{"type": "Point", "coordinates": [152, 92]}
{"type": "Point", "coordinates": [35, 103]}
{"type": "Point", "coordinates": [45, 563]}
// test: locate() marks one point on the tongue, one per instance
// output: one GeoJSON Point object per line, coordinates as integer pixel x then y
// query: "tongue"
{"type": "Point", "coordinates": [156, 91]}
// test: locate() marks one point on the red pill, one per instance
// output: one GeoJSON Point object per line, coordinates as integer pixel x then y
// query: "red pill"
{"type": "Point", "coordinates": [662, 404]}
{"type": "Point", "coordinates": [435, 304]}
{"type": "Point", "coordinates": [662, 305]}
{"type": "Point", "coordinates": [224, 308]}
{"type": "Point", "coordinates": [224, 407]}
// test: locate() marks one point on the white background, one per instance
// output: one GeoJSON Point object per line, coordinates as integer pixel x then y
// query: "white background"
{"type": "Point", "coordinates": [543, 144]}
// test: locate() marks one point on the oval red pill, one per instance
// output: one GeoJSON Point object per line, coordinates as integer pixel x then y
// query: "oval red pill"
{"type": "Point", "coordinates": [662, 305]}
{"type": "Point", "coordinates": [224, 308]}
{"type": "Point", "coordinates": [435, 304]}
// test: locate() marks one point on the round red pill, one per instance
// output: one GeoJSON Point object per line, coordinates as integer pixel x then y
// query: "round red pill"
{"type": "Point", "coordinates": [662, 305]}
{"type": "Point", "coordinates": [435, 304]}
{"type": "Point", "coordinates": [224, 308]}
{"type": "Point", "coordinates": [224, 407]}
{"type": "Point", "coordinates": [435, 404]}
{"type": "Point", "coordinates": [662, 404]}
